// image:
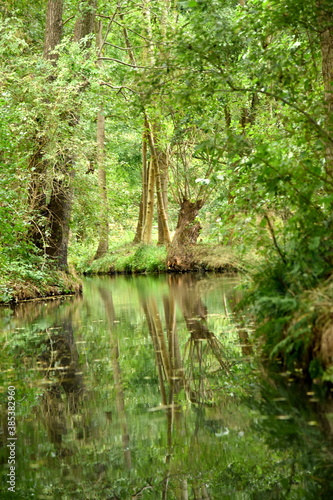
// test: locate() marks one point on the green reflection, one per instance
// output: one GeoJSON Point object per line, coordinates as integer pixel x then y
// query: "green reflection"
{"type": "Point", "coordinates": [146, 388]}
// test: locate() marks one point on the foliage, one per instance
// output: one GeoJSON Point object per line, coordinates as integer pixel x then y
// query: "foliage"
{"type": "Point", "coordinates": [236, 93]}
{"type": "Point", "coordinates": [275, 182]}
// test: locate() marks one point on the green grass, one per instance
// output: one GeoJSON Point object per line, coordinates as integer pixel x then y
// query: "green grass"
{"type": "Point", "coordinates": [127, 258]}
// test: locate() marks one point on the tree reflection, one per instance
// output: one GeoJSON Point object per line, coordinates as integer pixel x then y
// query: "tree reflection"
{"type": "Point", "coordinates": [60, 365]}
{"type": "Point", "coordinates": [171, 406]}
{"type": "Point", "coordinates": [172, 375]}
{"type": "Point", "coordinates": [117, 376]}
{"type": "Point", "coordinates": [202, 342]}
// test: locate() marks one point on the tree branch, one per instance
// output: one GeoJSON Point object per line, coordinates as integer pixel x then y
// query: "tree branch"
{"type": "Point", "coordinates": [278, 249]}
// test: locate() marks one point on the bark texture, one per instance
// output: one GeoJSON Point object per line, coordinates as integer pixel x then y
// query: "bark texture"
{"type": "Point", "coordinates": [149, 209]}
{"type": "Point", "coordinates": [160, 164]}
{"type": "Point", "coordinates": [85, 25]}
{"type": "Point", "coordinates": [53, 29]}
{"type": "Point", "coordinates": [180, 255]}
{"type": "Point", "coordinates": [144, 193]}
{"type": "Point", "coordinates": [59, 211]}
{"type": "Point", "coordinates": [45, 196]}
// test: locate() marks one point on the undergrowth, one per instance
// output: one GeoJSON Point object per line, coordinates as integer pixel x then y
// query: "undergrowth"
{"type": "Point", "coordinates": [293, 315]}
{"type": "Point", "coordinates": [22, 279]}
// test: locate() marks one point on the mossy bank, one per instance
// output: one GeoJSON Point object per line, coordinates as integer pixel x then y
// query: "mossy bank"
{"type": "Point", "coordinates": [130, 258]}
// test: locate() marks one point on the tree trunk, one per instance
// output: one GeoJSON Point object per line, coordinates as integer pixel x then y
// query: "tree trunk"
{"type": "Point", "coordinates": [59, 207]}
{"type": "Point", "coordinates": [103, 245]}
{"type": "Point", "coordinates": [44, 218]}
{"type": "Point", "coordinates": [85, 25]}
{"type": "Point", "coordinates": [326, 43]}
{"type": "Point", "coordinates": [53, 28]}
{"type": "Point", "coordinates": [139, 227]}
{"type": "Point", "coordinates": [160, 164]}
{"type": "Point", "coordinates": [180, 255]}
{"type": "Point", "coordinates": [38, 165]}
{"type": "Point", "coordinates": [163, 230]}
{"type": "Point", "coordinates": [160, 174]}
{"type": "Point", "coordinates": [51, 227]}
{"type": "Point", "coordinates": [59, 210]}
{"type": "Point", "coordinates": [149, 209]}
{"type": "Point", "coordinates": [144, 194]}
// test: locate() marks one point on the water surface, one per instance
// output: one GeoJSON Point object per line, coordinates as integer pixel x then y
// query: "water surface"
{"type": "Point", "coordinates": [146, 387]}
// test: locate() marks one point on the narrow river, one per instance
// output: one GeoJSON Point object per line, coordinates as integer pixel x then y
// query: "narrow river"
{"type": "Point", "coordinates": [146, 388]}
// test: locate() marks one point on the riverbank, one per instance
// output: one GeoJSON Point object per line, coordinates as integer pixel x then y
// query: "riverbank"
{"type": "Point", "coordinates": [23, 283]}
{"type": "Point", "coordinates": [136, 259]}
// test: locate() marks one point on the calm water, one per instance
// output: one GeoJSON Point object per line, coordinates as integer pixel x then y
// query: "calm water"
{"type": "Point", "coordinates": [145, 388]}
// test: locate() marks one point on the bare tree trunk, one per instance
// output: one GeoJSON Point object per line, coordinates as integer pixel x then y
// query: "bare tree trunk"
{"type": "Point", "coordinates": [59, 211]}
{"type": "Point", "coordinates": [184, 489]}
{"type": "Point", "coordinates": [139, 226]}
{"type": "Point", "coordinates": [144, 193]}
{"type": "Point", "coordinates": [159, 166]}
{"type": "Point", "coordinates": [163, 235]}
{"type": "Point", "coordinates": [53, 28]}
{"type": "Point", "coordinates": [149, 210]}
{"type": "Point", "coordinates": [180, 255]}
{"type": "Point", "coordinates": [161, 204]}
{"type": "Point", "coordinates": [103, 245]}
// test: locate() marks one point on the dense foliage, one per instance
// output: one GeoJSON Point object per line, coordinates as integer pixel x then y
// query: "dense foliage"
{"type": "Point", "coordinates": [225, 106]}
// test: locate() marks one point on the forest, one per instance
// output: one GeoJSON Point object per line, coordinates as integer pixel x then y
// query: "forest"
{"type": "Point", "coordinates": [173, 136]}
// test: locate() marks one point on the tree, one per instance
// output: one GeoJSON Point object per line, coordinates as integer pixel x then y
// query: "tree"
{"type": "Point", "coordinates": [103, 244]}
{"type": "Point", "coordinates": [51, 183]}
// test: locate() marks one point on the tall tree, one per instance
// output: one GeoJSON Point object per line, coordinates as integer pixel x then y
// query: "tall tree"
{"type": "Point", "coordinates": [56, 244]}
{"type": "Point", "coordinates": [325, 18]}
{"type": "Point", "coordinates": [103, 244]}
{"type": "Point", "coordinates": [52, 200]}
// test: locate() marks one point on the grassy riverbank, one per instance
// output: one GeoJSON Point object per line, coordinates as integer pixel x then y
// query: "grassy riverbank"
{"type": "Point", "coordinates": [129, 258]}
{"type": "Point", "coordinates": [22, 281]}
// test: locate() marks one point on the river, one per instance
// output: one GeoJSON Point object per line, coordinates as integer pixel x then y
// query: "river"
{"type": "Point", "coordinates": [147, 387]}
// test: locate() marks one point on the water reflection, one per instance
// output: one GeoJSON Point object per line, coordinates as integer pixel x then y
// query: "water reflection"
{"type": "Point", "coordinates": [145, 388]}
{"type": "Point", "coordinates": [60, 364]}
{"type": "Point", "coordinates": [106, 296]}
